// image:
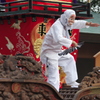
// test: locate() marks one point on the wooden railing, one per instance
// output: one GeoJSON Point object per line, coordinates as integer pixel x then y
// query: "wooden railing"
{"type": "Point", "coordinates": [49, 8]}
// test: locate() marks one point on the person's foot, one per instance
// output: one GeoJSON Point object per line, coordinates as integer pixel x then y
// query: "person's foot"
{"type": "Point", "coordinates": [77, 83]}
{"type": "Point", "coordinates": [74, 84]}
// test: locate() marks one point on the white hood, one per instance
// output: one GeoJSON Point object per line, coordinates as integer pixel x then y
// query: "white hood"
{"type": "Point", "coordinates": [66, 15]}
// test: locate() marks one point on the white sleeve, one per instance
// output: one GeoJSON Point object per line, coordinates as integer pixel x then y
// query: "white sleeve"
{"type": "Point", "coordinates": [79, 24]}
{"type": "Point", "coordinates": [57, 33]}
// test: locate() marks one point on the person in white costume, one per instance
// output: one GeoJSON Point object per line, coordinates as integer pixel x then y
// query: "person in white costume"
{"type": "Point", "coordinates": [55, 38]}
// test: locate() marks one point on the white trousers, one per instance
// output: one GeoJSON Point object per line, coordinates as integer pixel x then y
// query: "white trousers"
{"type": "Point", "coordinates": [68, 65]}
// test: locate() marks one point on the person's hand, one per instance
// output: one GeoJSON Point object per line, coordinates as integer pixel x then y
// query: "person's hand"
{"type": "Point", "coordinates": [74, 44]}
{"type": "Point", "coordinates": [40, 63]}
{"type": "Point", "coordinates": [92, 24]}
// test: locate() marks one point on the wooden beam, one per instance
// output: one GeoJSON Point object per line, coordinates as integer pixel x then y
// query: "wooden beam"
{"type": "Point", "coordinates": [89, 37]}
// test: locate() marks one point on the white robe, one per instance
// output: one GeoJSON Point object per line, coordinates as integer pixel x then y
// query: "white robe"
{"type": "Point", "coordinates": [55, 38]}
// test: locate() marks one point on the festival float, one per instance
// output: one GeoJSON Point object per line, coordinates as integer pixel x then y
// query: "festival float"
{"type": "Point", "coordinates": [23, 25]}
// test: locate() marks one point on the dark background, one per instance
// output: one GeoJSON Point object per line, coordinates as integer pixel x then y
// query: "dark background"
{"type": "Point", "coordinates": [85, 61]}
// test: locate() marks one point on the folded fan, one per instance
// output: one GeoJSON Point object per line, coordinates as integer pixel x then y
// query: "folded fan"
{"type": "Point", "coordinates": [71, 49]}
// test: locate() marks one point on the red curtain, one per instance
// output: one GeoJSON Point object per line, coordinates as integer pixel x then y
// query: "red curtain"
{"type": "Point", "coordinates": [23, 37]}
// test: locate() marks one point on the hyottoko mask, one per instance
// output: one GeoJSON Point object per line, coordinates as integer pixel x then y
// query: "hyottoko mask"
{"type": "Point", "coordinates": [68, 17]}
